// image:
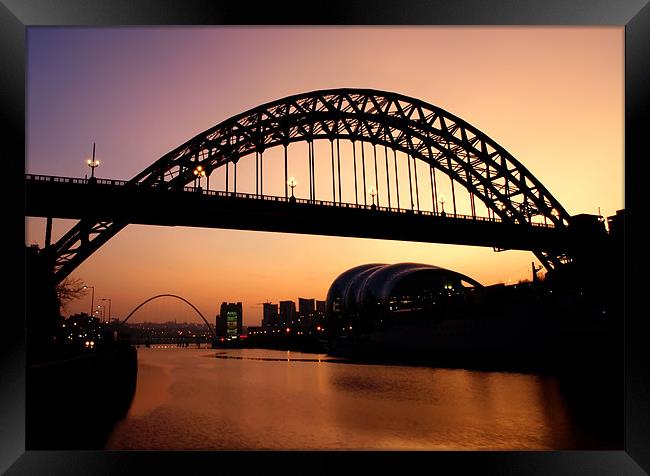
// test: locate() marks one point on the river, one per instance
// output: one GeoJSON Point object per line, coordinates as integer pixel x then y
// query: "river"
{"type": "Point", "coordinates": [258, 399]}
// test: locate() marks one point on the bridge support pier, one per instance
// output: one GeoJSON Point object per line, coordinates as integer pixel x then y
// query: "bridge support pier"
{"type": "Point", "coordinates": [48, 232]}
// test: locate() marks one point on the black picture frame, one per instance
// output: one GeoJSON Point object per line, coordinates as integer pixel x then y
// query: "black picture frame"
{"type": "Point", "coordinates": [17, 15]}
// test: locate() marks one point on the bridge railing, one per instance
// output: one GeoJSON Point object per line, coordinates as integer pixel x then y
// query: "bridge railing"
{"type": "Point", "coordinates": [273, 198]}
{"type": "Point", "coordinates": [74, 180]}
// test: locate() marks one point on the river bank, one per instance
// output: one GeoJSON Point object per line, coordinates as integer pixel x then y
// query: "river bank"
{"type": "Point", "coordinates": [73, 403]}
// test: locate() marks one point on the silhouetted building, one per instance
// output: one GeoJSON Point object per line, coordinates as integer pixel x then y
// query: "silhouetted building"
{"type": "Point", "coordinates": [230, 320]}
{"type": "Point", "coordinates": [380, 294]}
{"type": "Point", "coordinates": [321, 307]}
{"type": "Point", "coordinates": [306, 307]}
{"type": "Point", "coordinates": [616, 224]}
{"type": "Point", "coordinates": [287, 312]}
{"type": "Point", "coordinates": [271, 317]}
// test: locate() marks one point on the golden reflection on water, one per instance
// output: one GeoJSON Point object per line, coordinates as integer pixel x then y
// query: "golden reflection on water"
{"type": "Point", "coordinates": [264, 399]}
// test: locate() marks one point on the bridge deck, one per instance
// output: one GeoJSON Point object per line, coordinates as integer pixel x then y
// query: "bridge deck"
{"type": "Point", "coordinates": [119, 201]}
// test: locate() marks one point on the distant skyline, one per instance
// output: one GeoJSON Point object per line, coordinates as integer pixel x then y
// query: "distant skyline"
{"type": "Point", "coordinates": [551, 96]}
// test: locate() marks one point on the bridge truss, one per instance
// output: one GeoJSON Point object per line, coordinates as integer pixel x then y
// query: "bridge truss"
{"type": "Point", "coordinates": [424, 132]}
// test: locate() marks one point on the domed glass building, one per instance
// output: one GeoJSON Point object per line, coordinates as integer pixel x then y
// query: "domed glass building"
{"type": "Point", "coordinates": [375, 295]}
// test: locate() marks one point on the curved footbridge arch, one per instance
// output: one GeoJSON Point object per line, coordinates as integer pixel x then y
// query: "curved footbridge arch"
{"type": "Point", "coordinates": [172, 296]}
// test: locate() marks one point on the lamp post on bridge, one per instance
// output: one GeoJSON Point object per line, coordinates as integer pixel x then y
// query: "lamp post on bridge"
{"type": "Point", "coordinates": [527, 211]}
{"type": "Point", "coordinates": [92, 163]}
{"type": "Point", "coordinates": [373, 193]}
{"type": "Point", "coordinates": [502, 208]}
{"type": "Point", "coordinates": [292, 183]}
{"type": "Point", "coordinates": [442, 204]}
{"type": "Point", "coordinates": [198, 172]}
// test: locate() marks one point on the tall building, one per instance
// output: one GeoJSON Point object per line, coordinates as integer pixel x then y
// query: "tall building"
{"type": "Point", "coordinates": [230, 320]}
{"type": "Point", "coordinates": [270, 316]}
{"type": "Point", "coordinates": [306, 307]}
{"type": "Point", "coordinates": [287, 312]}
{"type": "Point", "coordinates": [321, 307]}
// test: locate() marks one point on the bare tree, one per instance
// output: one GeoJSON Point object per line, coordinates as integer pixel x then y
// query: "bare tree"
{"type": "Point", "coordinates": [69, 290]}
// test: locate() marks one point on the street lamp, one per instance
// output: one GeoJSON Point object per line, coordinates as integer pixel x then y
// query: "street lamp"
{"type": "Point", "coordinates": [527, 211]}
{"type": "Point", "coordinates": [442, 204]}
{"type": "Point", "coordinates": [198, 173]}
{"type": "Point", "coordinates": [109, 307]}
{"type": "Point", "coordinates": [373, 192]}
{"type": "Point", "coordinates": [292, 183]}
{"type": "Point", "coordinates": [92, 163]}
{"type": "Point", "coordinates": [92, 299]}
{"type": "Point", "coordinates": [99, 308]}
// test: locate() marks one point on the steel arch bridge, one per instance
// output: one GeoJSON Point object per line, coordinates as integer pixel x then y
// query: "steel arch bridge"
{"type": "Point", "coordinates": [172, 296]}
{"type": "Point", "coordinates": [422, 131]}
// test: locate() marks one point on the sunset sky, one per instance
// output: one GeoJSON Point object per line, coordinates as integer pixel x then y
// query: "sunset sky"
{"type": "Point", "coordinates": [552, 97]}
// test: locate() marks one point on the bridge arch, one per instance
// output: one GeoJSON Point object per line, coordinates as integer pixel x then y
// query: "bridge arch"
{"type": "Point", "coordinates": [445, 142]}
{"type": "Point", "coordinates": [173, 296]}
